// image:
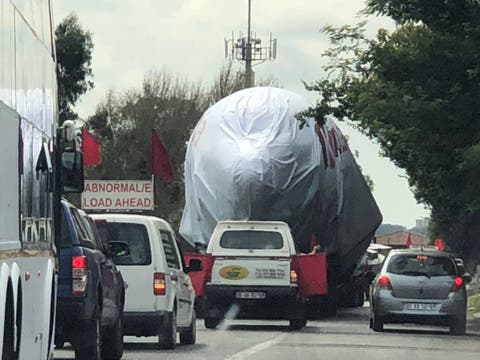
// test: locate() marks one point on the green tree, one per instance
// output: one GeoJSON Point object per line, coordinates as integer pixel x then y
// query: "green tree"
{"type": "Point", "coordinates": [74, 47]}
{"type": "Point", "coordinates": [416, 91]}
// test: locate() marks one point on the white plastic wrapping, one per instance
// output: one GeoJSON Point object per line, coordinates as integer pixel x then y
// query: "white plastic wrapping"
{"type": "Point", "coordinates": [248, 159]}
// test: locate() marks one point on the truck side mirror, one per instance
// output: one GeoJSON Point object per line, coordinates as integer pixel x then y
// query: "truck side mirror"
{"type": "Point", "coordinates": [195, 265]}
{"type": "Point", "coordinates": [71, 160]}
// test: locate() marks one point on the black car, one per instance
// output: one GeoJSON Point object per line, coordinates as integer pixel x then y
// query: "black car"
{"type": "Point", "coordinates": [91, 290]}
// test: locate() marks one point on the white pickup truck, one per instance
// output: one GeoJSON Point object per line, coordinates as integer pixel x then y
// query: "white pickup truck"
{"type": "Point", "coordinates": [252, 276]}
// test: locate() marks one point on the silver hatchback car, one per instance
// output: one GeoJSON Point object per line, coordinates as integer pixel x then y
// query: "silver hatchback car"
{"type": "Point", "coordinates": [422, 287]}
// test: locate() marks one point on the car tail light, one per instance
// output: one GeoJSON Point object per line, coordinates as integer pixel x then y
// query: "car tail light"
{"type": "Point", "coordinates": [457, 284]}
{"type": "Point", "coordinates": [159, 284]}
{"type": "Point", "coordinates": [208, 270]}
{"type": "Point", "coordinates": [79, 275]}
{"type": "Point", "coordinates": [384, 282]}
{"type": "Point", "coordinates": [293, 277]}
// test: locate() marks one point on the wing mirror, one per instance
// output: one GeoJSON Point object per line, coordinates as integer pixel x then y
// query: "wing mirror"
{"type": "Point", "coordinates": [119, 248]}
{"type": "Point", "coordinates": [467, 278]}
{"type": "Point", "coordinates": [194, 265]}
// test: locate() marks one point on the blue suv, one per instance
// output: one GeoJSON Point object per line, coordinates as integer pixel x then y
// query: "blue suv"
{"type": "Point", "coordinates": [91, 290]}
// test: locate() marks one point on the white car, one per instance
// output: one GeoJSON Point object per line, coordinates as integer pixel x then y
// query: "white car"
{"type": "Point", "coordinates": [252, 273]}
{"type": "Point", "coordinates": [160, 297]}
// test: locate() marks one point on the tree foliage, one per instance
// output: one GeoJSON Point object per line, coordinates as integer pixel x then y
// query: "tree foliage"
{"type": "Point", "coordinates": [416, 91]}
{"type": "Point", "coordinates": [74, 47]}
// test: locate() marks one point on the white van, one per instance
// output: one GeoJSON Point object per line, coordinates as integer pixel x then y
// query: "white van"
{"type": "Point", "coordinates": [160, 297]}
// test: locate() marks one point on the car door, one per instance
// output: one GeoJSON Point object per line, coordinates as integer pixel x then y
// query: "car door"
{"type": "Point", "coordinates": [187, 287]}
{"type": "Point", "coordinates": [111, 273]}
{"type": "Point", "coordinates": [175, 273]}
{"type": "Point", "coordinates": [106, 271]}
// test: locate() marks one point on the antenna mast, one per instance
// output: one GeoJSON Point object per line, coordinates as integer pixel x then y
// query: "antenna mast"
{"type": "Point", "coordinates": [249, 49]}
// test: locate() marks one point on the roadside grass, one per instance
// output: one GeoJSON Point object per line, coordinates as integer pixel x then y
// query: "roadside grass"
{"type": "Point", "coordinates": [473, 305]}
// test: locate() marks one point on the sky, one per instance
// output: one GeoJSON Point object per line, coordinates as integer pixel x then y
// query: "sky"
{"type": "Point", "coordinates": [186, 38]}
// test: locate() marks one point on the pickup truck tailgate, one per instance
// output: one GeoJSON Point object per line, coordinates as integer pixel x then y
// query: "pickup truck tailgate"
{"type": "Point", "coordinates": [251, 271]}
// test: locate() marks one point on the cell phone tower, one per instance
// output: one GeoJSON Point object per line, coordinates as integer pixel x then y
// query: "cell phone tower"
{"type": "Point", "coordinates": [249, 49]}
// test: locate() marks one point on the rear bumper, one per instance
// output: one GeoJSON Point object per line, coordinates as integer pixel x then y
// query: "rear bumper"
{"type": "Point", "coordinates": [279, 302]}
{"type": "Point", "coordinates": [143, 323]}
{"type": "Point", "coordinates": [72, 318]}
{"type": "Point", "coordinates": [393, 310]}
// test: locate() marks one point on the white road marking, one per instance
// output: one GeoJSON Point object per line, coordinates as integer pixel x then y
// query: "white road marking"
{"type": "Point", "coordinates": [244, 354]}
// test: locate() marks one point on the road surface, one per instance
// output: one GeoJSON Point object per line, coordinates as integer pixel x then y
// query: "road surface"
{"type": "Point", "coordinates": [346, 337]}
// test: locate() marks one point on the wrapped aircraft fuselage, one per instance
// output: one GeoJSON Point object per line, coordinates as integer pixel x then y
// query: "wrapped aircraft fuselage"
{"type": "Point", "coordinates": [248, 159]}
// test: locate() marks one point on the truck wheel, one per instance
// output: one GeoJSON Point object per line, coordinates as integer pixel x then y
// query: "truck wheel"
{"type": "Point", "coordinates": [377, 323]}
{"type": "Point", "coordinates": [297, 324]}
{"type": "Point", "coordinates": [92, 351]}
{"type": "Point", "coordinates": [167, 338]}
{"type": "Point", "coordinates": [211, 323]}
{"type": "Point", "coordinates": [8, 352]}
{"type": "Point", "coordinates": [189, 335]}
{"type": "Point", "coordinates": [458, 326]}
{"type": "Point", "coordinates": [59, 341]}
{"type": "Point", "coordinates": [113, 341]}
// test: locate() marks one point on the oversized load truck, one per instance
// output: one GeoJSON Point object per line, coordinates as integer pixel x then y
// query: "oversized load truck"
{"type": "Point", "coordinates": [32, 154]}
{"type": "Point", "coordinates": [249, 158]}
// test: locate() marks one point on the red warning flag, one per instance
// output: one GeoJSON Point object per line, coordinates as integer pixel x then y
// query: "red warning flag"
{"type": "Point", "coordinates": [409, 243]}
{"type": "Point", "coordinates": [160, 161]}
{"type": "Point", "coordinates": [91, 149]}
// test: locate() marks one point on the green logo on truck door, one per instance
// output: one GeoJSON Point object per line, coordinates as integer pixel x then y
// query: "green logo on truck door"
{"type": "Point", "coordinates": [233, 272]}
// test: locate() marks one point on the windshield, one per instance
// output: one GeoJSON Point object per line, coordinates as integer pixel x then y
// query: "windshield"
{"type": "Point", "coordinates": [135, 235]}
{"type": "Point", "coordinates": [250, 239]}
{"type": "Point", "coordinates": [417, 265]}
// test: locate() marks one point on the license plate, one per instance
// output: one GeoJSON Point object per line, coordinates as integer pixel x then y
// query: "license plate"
{"type": "Point", "coordinates": [249, 295]}
{"type": "Point", "coordinates": [421, 307]}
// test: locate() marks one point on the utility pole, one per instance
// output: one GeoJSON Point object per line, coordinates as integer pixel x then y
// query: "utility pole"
{"type": "Point", "coordinates": [249, 49]}
{"type": "Point", "coordinates": [249, 81]}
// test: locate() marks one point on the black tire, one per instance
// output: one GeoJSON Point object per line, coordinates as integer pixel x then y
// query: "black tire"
{"type": "Point", "coordinates": [377, 323]}
{"type": "Point", "coordinates": [458, 326]}
{"type": "Point", "coordinates": [59, 341]}
{"type": "Point", "coordinates": [296, 324]}
{"type": "Point", "coordinates": [188, 336]}
{"type": "Point", "coordinates": [211, 323]}
{"type": "Point", "coordinates": [19, 321]}
{"type": "Point", "coordinates": [92, 351]}
{"type": "Point", "coordinates": [167, 337]}
{"type": "Point", "coordinates": [113, 341]}
{"type": "Point", "coordinates": [8, 352]}
{"type": "Point", "coordinates": [333, 296]}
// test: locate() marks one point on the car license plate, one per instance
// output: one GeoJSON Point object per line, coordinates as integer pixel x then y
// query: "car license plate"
{"type": "Point", "coordinates": [249, 295]}
{"type": "Point", "coordinates": [421, 306]}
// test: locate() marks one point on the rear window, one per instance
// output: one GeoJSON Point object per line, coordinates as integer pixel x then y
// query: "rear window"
{"type": "Point", "coordinates": [135, 235]}
{"type": "Point", "coordinates": [420, 265]}
{"type": "Point", "coordinates": [253, 240]}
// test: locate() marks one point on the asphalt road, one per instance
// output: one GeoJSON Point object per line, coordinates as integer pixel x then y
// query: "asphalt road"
{"type": "Point", "coordinates": [346, 337]}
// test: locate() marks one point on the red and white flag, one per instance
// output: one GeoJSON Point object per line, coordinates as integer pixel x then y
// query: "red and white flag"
{"type": "Point", "coordinates": [91, 149]}
{"type": "Point", "coordinates": [160, 161]}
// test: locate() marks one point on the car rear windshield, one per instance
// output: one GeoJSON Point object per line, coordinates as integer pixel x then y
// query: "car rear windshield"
{"type": "Point", "coordinates": [251, 239]}
{"type": "Point", "coordinates": [420, 265]}
{"type": "Point", "coordinates": [135, 235]}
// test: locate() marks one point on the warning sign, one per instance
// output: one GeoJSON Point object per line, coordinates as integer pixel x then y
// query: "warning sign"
{"type": "Point", "coordinates": [118, 195]}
